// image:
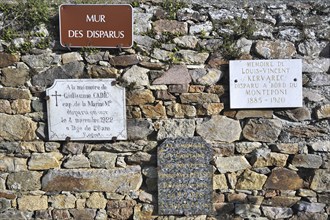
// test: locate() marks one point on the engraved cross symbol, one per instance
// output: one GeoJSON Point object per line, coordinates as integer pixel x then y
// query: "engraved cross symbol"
{"type": "Point", "coordinates": [56, 95]}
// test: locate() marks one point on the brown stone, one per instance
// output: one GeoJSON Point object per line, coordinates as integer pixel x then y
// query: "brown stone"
{"type": "Point", "coordinates": [286, 148]}
{"type": "Point", "coordinates": [120, 209]}
{"type": "Point", "coordinates": [153, 66]}
{"type": "Point", "coordinates": [96, 71]}
{"type": "Point", "coordinates": [250, 180]}
{"type": "Point", "coordinates": [61, 214]}
{"type": "Point", "coordinates": [284, 179]}
{"type": "Point", "coordinates": [323, 112]}
{"type": "Point", "coordinates": [170, 26]}
{"type": "Point", "coordinates": [32, 203]}
{"type": "Point", "coordinates": [177, 110]}
{"type": "Point", "coordinates": [43, 161]}
{"type": "Point", "coordinates": [269, 159]}
{"type": "Point", "coordinates": [164, 95]}
{"type": "Point", "coordinates": [210, 109]}
{"type": "Point", "coordinates": [5, 106]}
{"type": "Point", "coordinates": [196, 88]}
{"type": "Point", "coordinates": [7, 195]}
{"type": "Point", "coordinates": [143, 211]}
{"type": "Point", "coordinates": [241, 114]}
{"type": "Point", "coordinates": [177, 74]}
{"type": "Point", "coordinates": [199, 98]}
{"type": "Point", "coordinates": [154, 112]}
{"type": "Point", "coordinates": [21, 106]}
{"type": "Point", "coordinates": [120, 180]}
{"type": "Point", "coordinates": [275, 49]}
{"type": "Point", "coordinates": [7, 59]}
{"type": "Point", "coordinates": [263, 130]}
{"type": "Point", "coordinates": [216, 60]}
{"type": "Point", "coordinates": [124, 60]}
{"type": "Point", "coordinates": [321, 180]}
{"type": "Point", "coordinates": [17, 127]}
{"type": "Point", "coordinates": [139, 97]}
{"type": "Point", "coordinates": [237, 198]}
{"type": "Point", "coordinates": [216, 89]}
{"type": "Point", "coordinates": [306, 131]}
{"type": "Point", "coordinates": [14, 76]}
{"type": "Point", "coordinates": [281, 201]}
{"type": "Point", "coordinates": [13, 93]}
{"type": "Point", "coordinates": [298, 114]}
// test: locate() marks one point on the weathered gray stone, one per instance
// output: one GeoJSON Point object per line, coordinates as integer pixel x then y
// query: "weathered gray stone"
{"type": "Point", "coordinates": [136, 76]}
{"type": "Point", "coordinates": [77, 161]}
{"type": "Point", "coordinates": [185, 14]}
{"type": "Point", "coordinates": [193, 57]}
{"type": "Point", "coordinates": [124, 60]}
{"type": "Point", "coordinates": [139, 97]}
{"type": "Point", "coordinates": [14, 76]}
{"type": "Point", "coordinates": [311, 48]}
{"type": "Point", "coordinates": [201, 28]}
{"type": "Point", "coordinates": [281, 201]}
{"type": "Point", "coordinates": [181, 111]}
{"type": "Point", "coordinates": [197, 73]}
{"type": "Point", "coordinates": [144, 42]}
{"type": "Point", "coordinates": [93, 58]}
{"type": "Point", "coordinates": [142, 22]}
{"type": "Point", "coordinates": [323, 146]}
{"type": "Point", "coordinates": [120, 180]}
{"type": "Point", "coordinates": [277, 212]}
{"type": "Point", "coordinates": [286, 148]}
{"type": "Point", "coordinates": [312, 95]}
{"type": "Point", "coordinates": [264, 130]}
{"type": "Point", "coordinates": [177, 74]}
{"type": "Point", "coordinates": [17, 127]}
{"type": "Point", "coordinates": [231, 164]}
{"type": "Point", "coordinates": [83, 213]}
{"type": "Point", "coordinates": [189, 42]}
{"type": "Point", "coordinates": [275, 49]}
{"type": "Point", "coordinates": [16, 214]}
{"type": "Point", "coordinates": [7, 59]}
{"type": "Point", "coordinates": [24, 181]}
{"type": "Point", "coordinates": [219, 182]}
{"type": "Point", "coordinates": [309, 216]}
{"type": "Point", "coordinates": [13, 93]}
{"type": "Point", "coordinates": [178, 88]}
{"type": "Point", "coordinates": [199, 98]}
{"type": "Point", "coordinates": [247, 210]}
{"type": "Point", "coordinates": [263, 30]}
{"type": "Point", "coordinates": [39, 62]}
{"type": "Point", "coordinates": [291, 34]}
{"type": "Point", "coordinates": [319, 79]}
{"type": "Point", "coordinates": [12, 164]}
{"type": "Point", "coordinates": [5, 204]}
{"type": "Point", "coordinates": [220, 128]}
{"type": "Point", "coordinates": [66, 71]}
{"type": "Point", "coordinates": [298, 114]}
{"type": "Point", "coordinates": [71, 57]}
{"type": "Point", "coordinates": [210, 78]}
{"type": "Point", "coordinates": [250, 180]}
{"type": "Point", "coordinates": [284, 179]}
{"type": "Point", "coordinates": [138, 129]}
{"type": "Point", "coordinates": [162, 55]}
{"type": "Point", "coordinates": [170, 26]}
{"type": "Point", "coordinates": [73, 148]}
{"type": "Point", "coordinates": [307, 161]}
{"type": "Point", "coordinates": [309, 207]}
{"type": "Point", "coordinates": [44, 161]}
{"type": "Point", "coordinates": [125, 146]}
{"type": "Point", "coordinates": [323, 112]}
{"type": "Point", "coordinates": [247, 147]}
{"type": "Point", "coordinates": [173, 128]}
{"type": "Point", "coordinates": [321, 180]}
{"type": "Point", "coordinates": [141, 157]}
{"type": "Point", "coordinates": [101, 159]}
{"type": "Point", "coordinates": [316, 65]}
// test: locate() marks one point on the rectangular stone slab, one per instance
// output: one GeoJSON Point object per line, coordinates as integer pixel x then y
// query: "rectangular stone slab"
{"type": "Point", "coordinates": [86, 109]}
{"type": "Point", "coordinates": [121, 180]}
{"type": "Point", "coordinates": [265, 83]}
{"type": "Point", "coordinates": [185, 177]}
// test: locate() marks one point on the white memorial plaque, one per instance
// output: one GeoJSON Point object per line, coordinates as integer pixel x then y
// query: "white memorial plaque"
{"type": "Point", "coordinates": [86, 109]}
{"type": "Point", "coordinates": [265, 83]}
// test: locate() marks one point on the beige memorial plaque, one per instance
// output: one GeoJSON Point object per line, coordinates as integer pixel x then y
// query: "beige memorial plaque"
{"type": "Point", "coordinates": [265, 83]}
{"type": "Point", "coordinates": [86, 109]}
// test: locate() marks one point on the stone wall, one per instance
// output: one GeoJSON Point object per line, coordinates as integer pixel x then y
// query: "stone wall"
{"type": "Point", "coordinates": [268, 164]}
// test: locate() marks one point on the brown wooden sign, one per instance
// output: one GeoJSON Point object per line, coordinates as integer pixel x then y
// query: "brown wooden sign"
{"type": "Point", "coordinates": [87, 25]}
